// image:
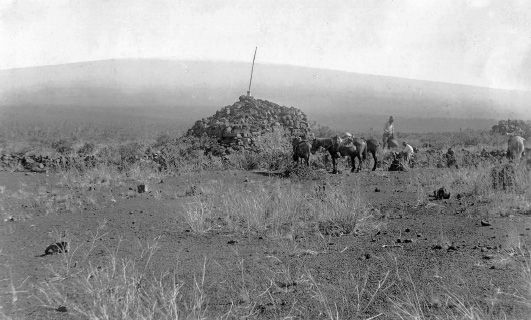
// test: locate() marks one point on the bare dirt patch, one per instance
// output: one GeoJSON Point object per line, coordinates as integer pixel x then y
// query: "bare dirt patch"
{"type": "Point", "coordinates": [237, 244]}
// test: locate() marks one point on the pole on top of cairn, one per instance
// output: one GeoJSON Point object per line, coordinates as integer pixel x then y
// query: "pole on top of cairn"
{"type": "Point", "coordinates": [252, 69]}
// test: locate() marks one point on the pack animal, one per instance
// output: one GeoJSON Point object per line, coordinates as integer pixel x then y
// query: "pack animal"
{"type": "Point", "coordinates": [355, 148]}
{"type": "Point", "coordinates": [329, 144]}
{"type": "Point", "coordinates": [301, 150]}
{"type": "Point", "coordinates": [372, 147]}
{"type": "Point", "coordinates": [515, 147]}
{"type": "Point", "coordinates": [363, 147]}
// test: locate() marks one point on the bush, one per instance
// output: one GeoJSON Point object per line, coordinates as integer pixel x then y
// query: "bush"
{"type": "Point", "coordinates": [62, 146]}
{"type": "Point", "coordinates": [130, 153]}
{"type": "Point", "coordinates": [86, 149]}
{"type": "Point", "coordinates": [516, 127]}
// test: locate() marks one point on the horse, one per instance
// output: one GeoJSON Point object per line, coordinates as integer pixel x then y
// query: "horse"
{"type": "Point", "coordinates": [329, 144]}
{"type": "Point", "coordinates": [515, 147]}
{"type": "Point", "coordinates": [301, 150]}
{"type": "Point", "coordinates": [392, 143]}
{"type": "Point", "coordinates": [372, 148]}
{"type": "Point", "coordinates": [365, 146]}
{"type": "Point", "coordinates": [354, 148]}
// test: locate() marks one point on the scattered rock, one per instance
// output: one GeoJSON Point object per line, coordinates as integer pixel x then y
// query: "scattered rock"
{"type": "Point", "coordinates": [58, 247]}
{"type": "Point", "coordinates": [485, 223]}
{"type": "Point", "coordinates": [193, 191]}
{"type": "Point", "coordinates": [141, 188]}
{"type": "Point", "coordinates": [407, 230]}
{"type": "Point", "coordinates": [451, 248]}
{"type": "Point", "coordinates": [285, 284]}
{"type": "Point", "coordinates": [333, 229]}
{"type": "Point", "coordinates": [367, 256]}
{"type": "Point", "coordinates": [61, 309]}
{"type": "Point", "coordinates": [377, 190]}
{"type": "Point", "coordinates": [232, 242]}
{"type": "Point", "coordinates": [441, 194]}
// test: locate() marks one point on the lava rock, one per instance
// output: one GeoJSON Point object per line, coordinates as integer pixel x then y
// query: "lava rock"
{"type": "Point", "coordinates": [61, 309]}
{"type": "Point", "coordinates": [485, 223]}
{"type": "Point", "coordinates": [58, 247]}
{"type": "Point", "coordinates": [141, 188]}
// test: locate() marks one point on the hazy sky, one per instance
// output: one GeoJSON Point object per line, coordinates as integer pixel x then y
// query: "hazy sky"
{"type": "Point", "coordinates": [479, 42]}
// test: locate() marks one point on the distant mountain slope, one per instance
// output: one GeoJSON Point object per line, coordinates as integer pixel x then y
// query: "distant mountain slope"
{"type": "Point", "coordinates": [339, 99]}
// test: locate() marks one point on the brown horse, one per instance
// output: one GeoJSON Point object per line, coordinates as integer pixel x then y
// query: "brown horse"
{"type": "Point", "coordinates": [350, 150]}
{"type": "Point", "coordinates": [354, 148]}
{"type": "Point", "coordinates": [329, 144]}
{"type": "Point", "coordinates": [363, 146]}
{"type": "Point", "coordinates": [372, 147]}
{"type": "Point", "coordinates": [301, 150]}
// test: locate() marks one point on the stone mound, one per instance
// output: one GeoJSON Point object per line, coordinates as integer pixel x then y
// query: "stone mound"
{"type": "Point", "coordinates": [237, 126]}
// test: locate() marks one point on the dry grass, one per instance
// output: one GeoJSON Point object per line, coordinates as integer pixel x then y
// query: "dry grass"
{"type": "Point", "coordinates": [477, 184]}
{"type": "Point", "coordinates": [91, 286]}
{"type": "Point", "coordinates": [119, 288]}
{"type": "Point", "coordinates": [278, 209]}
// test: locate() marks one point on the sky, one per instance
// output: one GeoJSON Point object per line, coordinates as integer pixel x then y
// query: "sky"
{"type": "Point", "coordinates": [477, 42]}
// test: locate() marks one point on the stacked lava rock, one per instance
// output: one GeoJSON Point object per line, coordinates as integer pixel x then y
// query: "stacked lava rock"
{"type": "Point", "coordinates": [237, 126]}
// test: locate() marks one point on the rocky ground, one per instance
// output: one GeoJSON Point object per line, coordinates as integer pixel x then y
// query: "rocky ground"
{"type": "Point", "coordinates": [407, 255]}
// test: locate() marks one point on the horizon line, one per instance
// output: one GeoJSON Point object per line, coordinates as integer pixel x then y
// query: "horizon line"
{"type": "Point", "coordinates": [173, 59]}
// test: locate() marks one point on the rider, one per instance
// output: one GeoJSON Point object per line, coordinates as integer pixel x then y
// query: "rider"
{"type": "Point", "coordinates": [389, 131]}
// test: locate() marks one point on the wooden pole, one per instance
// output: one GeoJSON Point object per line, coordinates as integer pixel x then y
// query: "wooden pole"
{"type": "Point", "coordinates": [252, 69]}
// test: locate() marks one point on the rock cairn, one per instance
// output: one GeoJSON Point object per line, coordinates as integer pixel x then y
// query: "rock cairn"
{"type": "Point", "coordinates": [237, 126]}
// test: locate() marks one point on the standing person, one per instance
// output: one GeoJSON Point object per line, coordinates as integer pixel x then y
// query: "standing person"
{"type": "Point", "coordinates": [389, 131]}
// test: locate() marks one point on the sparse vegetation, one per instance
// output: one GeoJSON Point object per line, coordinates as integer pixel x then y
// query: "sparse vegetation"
{"type": "Point", "coordinates": [209, 239]}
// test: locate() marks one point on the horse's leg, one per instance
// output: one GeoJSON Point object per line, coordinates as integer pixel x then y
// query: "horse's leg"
{"type": "Point", "coordinates": [334, 162]}
{"type": "Point", "coordinates": [375, 160]}
{"type": "Point", "coordinates": [360, 162]}
{"type": "Point", "coordinates": [352, 163]}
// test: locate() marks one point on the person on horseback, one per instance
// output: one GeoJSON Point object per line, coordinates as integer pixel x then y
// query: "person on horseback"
{"type": "Point", "coordinates": [389, 132]}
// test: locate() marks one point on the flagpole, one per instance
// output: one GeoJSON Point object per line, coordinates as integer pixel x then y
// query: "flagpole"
{"type": "Point", "coordinates": [252, 69]}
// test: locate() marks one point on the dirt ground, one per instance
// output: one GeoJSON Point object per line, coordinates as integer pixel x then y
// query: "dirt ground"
{"type": "Point", "coordinates": [446, 247]}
